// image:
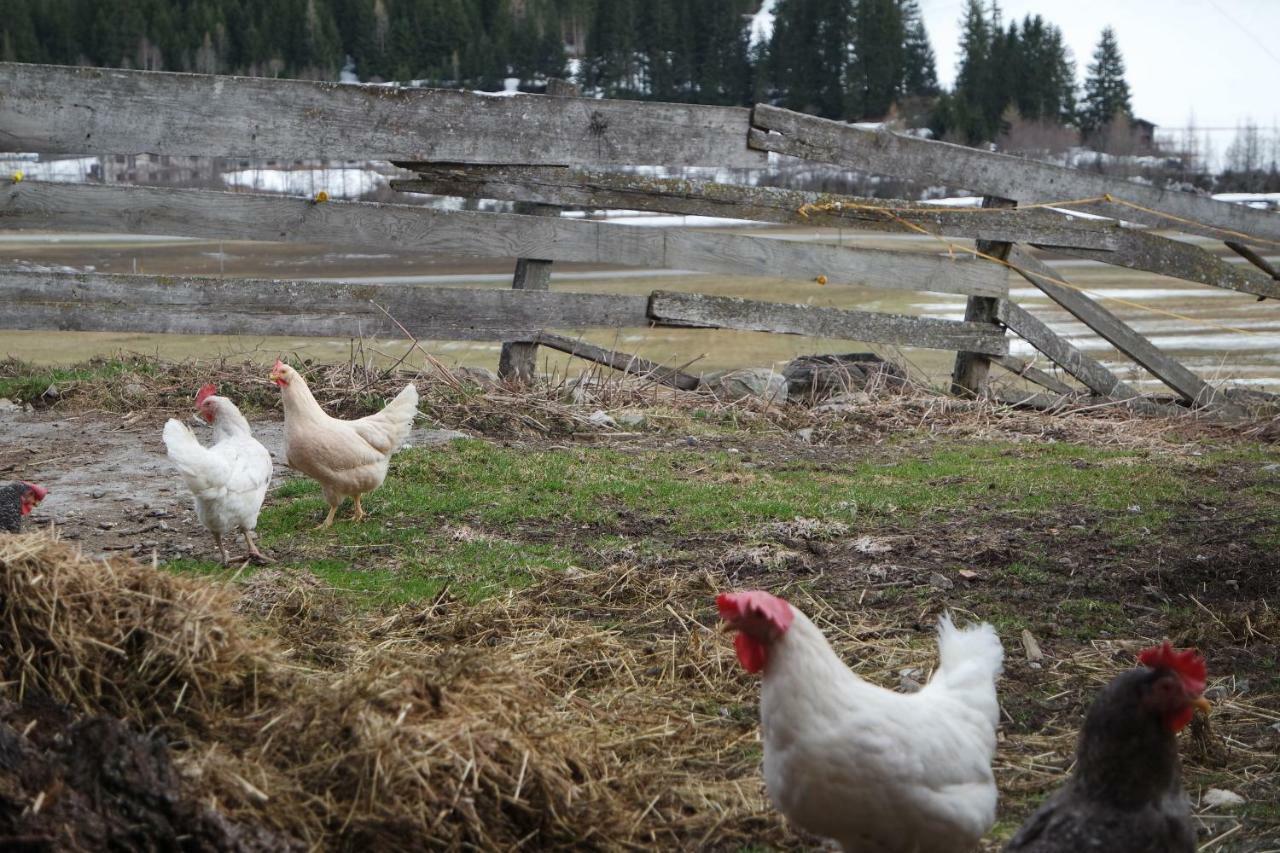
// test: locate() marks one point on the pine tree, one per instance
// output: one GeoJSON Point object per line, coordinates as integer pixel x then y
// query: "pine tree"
{"type": "Point", "coordinates": [1106, 93]}
{"type": "Point", "coordinates": [877, 68]}
{"type": "Point", "coordinates": [973, 78]}
{"type": "Point", "coordinates": [920, 70]}
{"type": "Point", "coordinates": [809, 55]}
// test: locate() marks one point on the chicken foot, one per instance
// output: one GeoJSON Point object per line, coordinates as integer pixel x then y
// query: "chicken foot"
{"type": "Point", "coordinates": [217, 537]}
{"type": "Point", "coordinates": [255, 556]}
{"type": "Point", "coordinates": [359, 514]}
{"type": "Point", "coordinates": [328, 520]}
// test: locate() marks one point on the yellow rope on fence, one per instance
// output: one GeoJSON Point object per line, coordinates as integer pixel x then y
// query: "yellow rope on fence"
{"type": "Point", "coordinates": [825, 207]}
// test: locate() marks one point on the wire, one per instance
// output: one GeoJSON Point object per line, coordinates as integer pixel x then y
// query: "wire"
{"type": "Point", "coordinates": [1248, 32]}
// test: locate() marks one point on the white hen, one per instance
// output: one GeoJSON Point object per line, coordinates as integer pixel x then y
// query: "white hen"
{"type": "Point", "coordinates": [229, 478]}
{"type": "Point", "coordinates": [872, 769]}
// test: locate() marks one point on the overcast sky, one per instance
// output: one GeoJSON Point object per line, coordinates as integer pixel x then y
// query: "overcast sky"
{"type": "Point", "coordinates": [1216, 59]}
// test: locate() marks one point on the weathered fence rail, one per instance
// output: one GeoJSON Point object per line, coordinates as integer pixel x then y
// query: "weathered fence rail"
{"type": "Point", "coordinates": [550, 152]}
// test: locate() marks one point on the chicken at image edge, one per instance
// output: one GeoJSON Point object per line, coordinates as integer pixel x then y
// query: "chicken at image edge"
{"type": "Point", "coordinates": [1125, 793]}
{"type": "Point", "coordinates": [872, 769]}
{"type": "Point", "coordinates": [347, 458]}
{"type": "Point", "coordinates": [229, 478]}
{"type": "Point", "coordinates": [17, 500]}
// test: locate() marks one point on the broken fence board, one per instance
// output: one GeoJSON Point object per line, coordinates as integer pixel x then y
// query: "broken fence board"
{"type": "Point", "coordinates": [726, 312]}
{"type": "Point", "coordinates": [1023, 368]}
{"type": "Point", "coordinates": [1085, 368]}
{"type": "Point", "coordinates": [53, 109]}
{"type": "Point", "coordinates": [1027, 181]}
{"type": "Point", "coordinates": [626, 191]}
{"type": "Point", "coordinates": [404, 228]}
{"type": "Point", "coordinates": [93, 302]}
{"type": "Point", "coordinates": [618, 360]}
{"type": "Point", "coordinates": [1119, 334]}
{"type": "Point", "coordinates": [969, 374]}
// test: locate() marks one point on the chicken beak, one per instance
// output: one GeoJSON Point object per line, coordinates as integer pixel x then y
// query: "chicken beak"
{"type": "Point", "coordinates": [1202, 704]}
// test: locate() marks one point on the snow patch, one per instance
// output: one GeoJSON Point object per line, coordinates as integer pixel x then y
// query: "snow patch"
{"type": "Point", "coordinates": [337, 183]}
{"type": "Point", "coordinates": [761, 27]}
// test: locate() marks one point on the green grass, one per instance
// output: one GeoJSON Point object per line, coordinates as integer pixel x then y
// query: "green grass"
{"type": "Point", "coordinates": [29, 386]}
{"type": "Point", "coordinates": [481, 518]}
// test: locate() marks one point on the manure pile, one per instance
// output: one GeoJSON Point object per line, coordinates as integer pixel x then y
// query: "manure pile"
{"type": "Point", "coordinates": [141, 709]}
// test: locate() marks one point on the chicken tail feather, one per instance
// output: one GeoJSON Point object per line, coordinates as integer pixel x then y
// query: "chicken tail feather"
{"type": "Point", "coordinates": [970, 659]}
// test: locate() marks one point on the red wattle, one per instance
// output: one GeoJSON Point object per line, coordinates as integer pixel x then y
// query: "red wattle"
{"type": "Point", "coordinates": [751, 652]}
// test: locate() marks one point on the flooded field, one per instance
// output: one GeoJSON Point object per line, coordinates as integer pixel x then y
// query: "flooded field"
{"type": "Point", "coordinates": [1220, 334]}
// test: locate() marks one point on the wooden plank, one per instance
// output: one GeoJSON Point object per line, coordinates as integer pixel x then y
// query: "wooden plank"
{"type": "Point", "coordinates": [1190, 387]}
{"type": "Point", "coordinates": [402, 228]}
{"type": "Point", "coordinates": [518, 361]}
{"type": "Point", "coordinates": [726, 312]}
{"type": "Point", "coordinates": [1254, 258]}
{"type": "Point", "coordinates": [628, 191]}
{"type": "Point", "coordinates": [1105, 241]}
{"type": "Point", "coordinates": [1025, 369]}
{"type": "Point", "coordinates": [66, 110]}
{"type": "Point", "coordinates": [1085, 368]}
{"type": "Point", "coordinates": [969, 374]}
{"type": "Point", "coordinates": [94, 302]}
{"type": "Point", "coordinates": [625, 362]}
{"type": "Point", "coordinates": [1142, 250]}
{"type": "Point", "coordinates": [1025, 181]}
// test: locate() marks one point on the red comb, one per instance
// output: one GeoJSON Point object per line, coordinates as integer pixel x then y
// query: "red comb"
{"type": "Point", "coordinates": [279, 364]}
{"type": "Point", "coordinates": [733, 605]}
{"type": "Point", "coordinates": [38, 491]}
{"type": "Point", "coordinates": [205, 393]}
{"type": "Point", "coordinates": [1188, 663]}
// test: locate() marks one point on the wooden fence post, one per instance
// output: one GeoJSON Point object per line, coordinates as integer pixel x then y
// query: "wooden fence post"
{"type": "Point", "coordinates": [519, 361]}
{"type": "Point", "coordinates": [969, 377]}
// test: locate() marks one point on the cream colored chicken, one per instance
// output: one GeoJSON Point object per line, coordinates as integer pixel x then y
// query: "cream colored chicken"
{"type": "Point", "coordinates": [347, 458]}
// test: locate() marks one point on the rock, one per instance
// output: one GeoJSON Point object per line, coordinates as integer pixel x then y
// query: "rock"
{"type": "Point", "coordinates": [602, 419]}
{"type": "Point", "coordinates": [7, 406]}
{"type": "Point", "coordinates": [940, 581]}
{"type": "Point", "coordinates": [96, 493]}
{"type": "Point", "coordinates": [1031, 647]}
{"type": "Point", "coordinates": [909, 680]}
{"type": "Point", "coordinates": [52, 392]}
{"type": "Point", "coordinates": [843, 404]}
{"type": "Point", "coordinates": [761, 382]}
{"type": "Point", "coordinates": [816, 377]}
{"type": "Point", "coordinates": [481, 376]}
{"type": "Point", "coordinates": [1221, 798]}
{"type": "Point", "coordinates": [868, 545]}
{"type": "Point", "coordinates": [631, 419]}
{"type": "Point", "coordinates": [690, 441]}
{"type": "Point", "coordinates": [805, 435]}
{"type": "Point", "coordinates": [135, 390]}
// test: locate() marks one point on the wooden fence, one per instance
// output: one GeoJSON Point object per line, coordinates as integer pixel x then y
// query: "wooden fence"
{"type": "Point", "coordinates": [546, 153]}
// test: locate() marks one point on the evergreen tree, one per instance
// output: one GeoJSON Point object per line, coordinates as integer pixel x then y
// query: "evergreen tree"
{"type": "Point", "coordinates": [1106, 93]}
{"type": "Point", "coordinates": [920, 70]}
{"type": "Point", "coordinates": [877, 68]}
{"type": "Point", "coordinates": [809, 55]}
{"type": "Point", "coordinates": [973, 78]}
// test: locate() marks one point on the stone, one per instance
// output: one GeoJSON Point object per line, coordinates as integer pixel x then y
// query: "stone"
{"type": "Point", "coordinates": [740, 384]}
{"type": "Point", "coordinates": [805, 435]}
{"type": "Point", "coordinates": [940, 581]}
{"type": "Point", "coordinates": [1221, 798]}
{"type": "Point", "coordinates": [601, 419]}
{"type": "Point", "coordinates": [816, 377]}
{"type": "Point", "coordinates": [52, 392]}
{"type": "Point", "coordinates": [481, 376]}
{"type": "Point", "coordinates": [7, 406]}
{"type": "Point", "coordinates": [631, 418]}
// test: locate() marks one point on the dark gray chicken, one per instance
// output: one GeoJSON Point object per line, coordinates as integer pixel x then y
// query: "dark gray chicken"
{"type": "Point", "coordinates": [17, 500]}
{"type": "Point", "coordinates": [1126, 791]}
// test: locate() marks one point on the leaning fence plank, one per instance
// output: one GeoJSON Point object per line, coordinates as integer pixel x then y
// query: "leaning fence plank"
{"type": "Point", "coordinates": [55, 109]}
{"type": "Point", "coordinates": [1190, 387]}
{"type": "Point", "coordinates": [219, 306]}
{"type": "Point", "coordinates": [629, 191]}
{"type": "Point", "coordinates": [1257, 260]}
{"type": "Point", "coordinates": [618, 360]}
{"type": "Point", "coordinates": [969, 375]}
{"type": "Point", "coordinates": [1105, 241]}
{"type": "Point", "coordinates": [1025, 369]}
{"type": "Point", "coordinates": [727, 312]}
{"type": "Point", "coordinates": [404, 228]}
{"type": "Point", "coordinates": [1026, 181]}
{"type": "Point", "coordinates": [1085, 368]}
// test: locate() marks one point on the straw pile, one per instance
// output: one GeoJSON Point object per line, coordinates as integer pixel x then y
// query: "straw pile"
{"type": "Point", "coordinates": [517, 722]}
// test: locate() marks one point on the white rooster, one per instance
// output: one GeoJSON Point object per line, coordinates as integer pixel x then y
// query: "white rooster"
{"type": "Point", "coordinates": [229, 478]}
{"type": "Point", "coordinates": [872, 769]}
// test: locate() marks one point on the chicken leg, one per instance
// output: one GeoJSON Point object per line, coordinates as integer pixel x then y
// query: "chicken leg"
{"type": "Point", "coordinates": [217, 537]}
{"type": "Point", "coordinates": [328, 519]}
{"type": "Point", "coordinates": [255, 556]}
{"type": "Point", "coordinates": [359, 513]}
